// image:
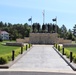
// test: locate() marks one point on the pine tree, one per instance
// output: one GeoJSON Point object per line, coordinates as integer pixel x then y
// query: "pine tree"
{"type": "Point", "coordinates": [74, 30]}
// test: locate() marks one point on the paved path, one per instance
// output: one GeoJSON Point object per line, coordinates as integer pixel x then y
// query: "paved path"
{"type": "Point", "coordinates": [42, 57]}
{"type": "Point", "coordinates": [33, 73]}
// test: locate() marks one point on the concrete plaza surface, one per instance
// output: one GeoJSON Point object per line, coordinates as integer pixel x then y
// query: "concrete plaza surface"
{"type": "Point", "coordinates": [41, 57]}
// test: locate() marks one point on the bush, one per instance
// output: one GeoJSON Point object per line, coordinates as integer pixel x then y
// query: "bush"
{"type": "Point", "coordinates": [17, 52]}
{"type": "Point", "coordinates": [1, 40]}
{"type": "Point", "coordinates": [67, 53]}
{"type": "Point", "coordinates": [56, 46]}
{"type": "Point", "coordinates": [24, 48]}
{"type": "Point", "coordinates": [74, 58]}
{"type": "Point", "coordinates": [3, 60]}
{"type": "Point", "coordinates": [8, 57]}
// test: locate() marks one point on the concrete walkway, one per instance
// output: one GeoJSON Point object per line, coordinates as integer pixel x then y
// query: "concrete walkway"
{"type": "Point", "coordinates": [41, 57]}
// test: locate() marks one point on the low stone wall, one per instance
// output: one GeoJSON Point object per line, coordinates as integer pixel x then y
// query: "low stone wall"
{"type": "Point", "coordinates": [19, 40]}
{"type": "Point", "coordinates": [69, 45]}
{"type": "Point", "coordinates": [43, 38]}
{"type": "Point", "coordinates": [14, 44]}
{"type": "Point", "coordinates": [67, 41]}
{"type": "Point", "coordinates": [63, 41]}
{"type": "Point", "coordinates": [25, 40]}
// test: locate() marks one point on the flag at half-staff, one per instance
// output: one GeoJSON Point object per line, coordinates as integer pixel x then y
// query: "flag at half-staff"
{"type": "Point", "coordinates": [55, 19]}
{"type": "Point", "coordinates": [30, 19]}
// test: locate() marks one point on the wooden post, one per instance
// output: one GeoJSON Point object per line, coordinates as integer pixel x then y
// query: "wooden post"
{"type": "Point", "coordinates": [26, 47]}
{"type": "Point", "coordinates": [21, 49]}
{"type": "Point", "coordinates": [63, 51]}
{"type": "Point", "coordinates": [70, 57]}
{"type": "Point", "coordinates": [13, 55]}
{"type": "Point", "coordinates": [59, 48]}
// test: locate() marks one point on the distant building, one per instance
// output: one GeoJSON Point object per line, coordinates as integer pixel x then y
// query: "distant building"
{"type": "Point", "coordinates": [4, 35]}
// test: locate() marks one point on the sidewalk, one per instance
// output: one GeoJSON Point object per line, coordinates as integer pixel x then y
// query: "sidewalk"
{"type": "Point", "coordinates": [42, 57]}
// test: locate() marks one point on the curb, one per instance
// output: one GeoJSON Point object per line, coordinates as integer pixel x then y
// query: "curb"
{"type": "Point", "coordinates": [6, 66]}
{"type": "Point", "coordinates": [74, 68]}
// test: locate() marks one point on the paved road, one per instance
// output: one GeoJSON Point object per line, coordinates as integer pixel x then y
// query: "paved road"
{"type": "Point", "coordinates": [42, 57]}
{"type": "Point", "coordinates": [33, 73]}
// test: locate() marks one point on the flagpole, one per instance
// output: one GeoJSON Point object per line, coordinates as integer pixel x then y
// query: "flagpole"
{"type": "Point", "coordinates": [31, 20]}
{"type": "Point", "coordinates": [56, 24]}
{"type": "Point", "coordinates": [43, 17]}
{"type": "Point", "coordinates": [56, 20]}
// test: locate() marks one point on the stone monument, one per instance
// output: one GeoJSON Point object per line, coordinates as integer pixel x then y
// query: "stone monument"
{"type": "Point", "coordinates": [44, 36]}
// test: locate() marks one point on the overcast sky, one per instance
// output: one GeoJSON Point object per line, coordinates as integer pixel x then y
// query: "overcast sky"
{"type": "Point", "coordinates": [19, 11]}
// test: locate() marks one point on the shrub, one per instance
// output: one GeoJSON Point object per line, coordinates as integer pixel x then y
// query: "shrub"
{"type": "Point", "coordinates": [24, 48]}
{"type": "Point", "coordinates": [17, 52]}
{"type": "Point", "coordinates": [1, 40]}
{"type": "Point", "coordinates": [74, 58]}
{"type": "Point", "coordinates": [67, 53]}
{"type": "Point", "coordinates": [3, 60]}
{"type": "Point", "coordinates": [8, 57]}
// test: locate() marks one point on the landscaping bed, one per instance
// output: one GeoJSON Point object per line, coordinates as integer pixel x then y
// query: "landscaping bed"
{"type": "Point", "coordinates": [73, 50]}
{"type": "Point", "coordinates": [14, 44]}
{"type": "Point", "coordinates": [69, 45]}
{"type": "Point", "coordinates": [6, 52]}
{"type": "Point", "coordinates": [67, 51]}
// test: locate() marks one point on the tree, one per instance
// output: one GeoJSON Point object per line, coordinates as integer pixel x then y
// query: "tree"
{"type": "Point", "coordinates": [1, 24]}
{"type": "Point", "coordinates": [38, 27]}
{"type": "Point", "coordinates": [33, 27]}
{"type": "Point", "coordinates": [53, 28]}
{"type": "Point", "coordinates": [57, 28]}
{"type": "Point", "coordinates": [49, 28]}
{"type": "Point", "coordinates": [74, 30]}
{"type": "Point", "coordinates": [16, 30]}
{"type": "Point", "coordinates": [5, 25]}
{"type": "Point", "coordinates": [10, 25]}
{"type": "Point", "coordinates": [69, 35]}
{"type": "Point", "coordinates": [63, 33]}
{"type": "Point", "coordinates": [43, 28]}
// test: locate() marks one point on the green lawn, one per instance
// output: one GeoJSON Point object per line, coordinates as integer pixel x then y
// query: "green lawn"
{"type": "Point", "coordinates": [6, 49]}
{"type": "Point", "coordinates": [73, 42]}
{"type": "Point", "coordinates": [6, 52]}
{"type": "Point", "coordinates": [73, 49]}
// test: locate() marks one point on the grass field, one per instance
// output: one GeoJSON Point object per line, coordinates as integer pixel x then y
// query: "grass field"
{"type": "Point", "coordinates": [73, 42]}
{"type": "Point", "coordinates": [73, 49]}
{"type": "Point", "coordinates": [6, 49]}
{"type": "Point", "coordinates": [6, 52]}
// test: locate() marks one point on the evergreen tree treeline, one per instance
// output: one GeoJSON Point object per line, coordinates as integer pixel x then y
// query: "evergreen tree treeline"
{"type": "Point", "coordinates": [16, 30]}
{"type": "Point", "coordinates": [23, 30]}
